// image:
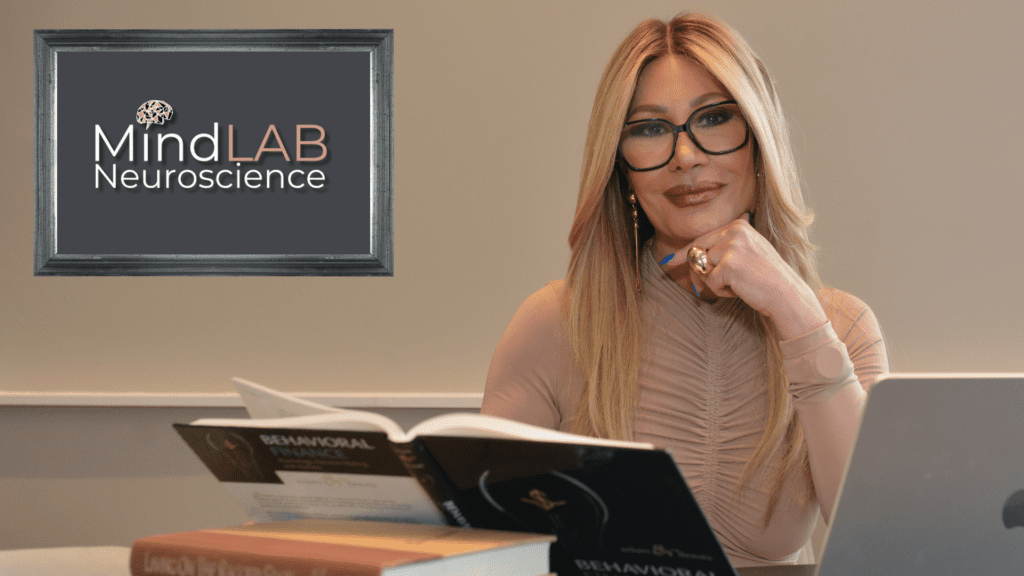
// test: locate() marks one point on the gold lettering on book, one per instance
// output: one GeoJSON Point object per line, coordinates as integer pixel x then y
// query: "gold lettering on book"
{"type": "Point", "coordinates": [539, 499]}
{"type": "Point", "coordinates": [168, 566]}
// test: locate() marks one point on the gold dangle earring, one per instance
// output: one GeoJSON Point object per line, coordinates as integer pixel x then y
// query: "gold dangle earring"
{"type": "Point", "coordinates": [636, 238]}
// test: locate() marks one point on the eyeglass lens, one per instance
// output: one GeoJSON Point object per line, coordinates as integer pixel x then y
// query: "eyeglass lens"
{"type": "Point", "coordinates": [716, 129]}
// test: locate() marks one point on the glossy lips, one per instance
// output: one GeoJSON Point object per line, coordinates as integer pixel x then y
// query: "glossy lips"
{"type": "Point", "coordinates": [685, 195]}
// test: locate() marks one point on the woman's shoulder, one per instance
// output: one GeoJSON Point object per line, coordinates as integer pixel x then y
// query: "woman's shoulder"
{"type": "Point", "coordinates": [552, 289]}
{"type": "Point", "coordinates": [544, 303]}
{"type": "Point", "coordinates": [538, 319]}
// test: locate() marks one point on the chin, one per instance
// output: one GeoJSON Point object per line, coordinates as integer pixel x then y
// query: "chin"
{"type": "Point", "coordinates": [695, 227]}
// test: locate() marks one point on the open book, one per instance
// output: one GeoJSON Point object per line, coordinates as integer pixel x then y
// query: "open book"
{"type": "Point", "coordinates": [606, 500]}
{"type": "Point", "coordinates": [267, 404]}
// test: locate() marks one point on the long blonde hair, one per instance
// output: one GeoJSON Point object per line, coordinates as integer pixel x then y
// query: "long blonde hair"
{"type": "Point", "coordinates": [602, 306]}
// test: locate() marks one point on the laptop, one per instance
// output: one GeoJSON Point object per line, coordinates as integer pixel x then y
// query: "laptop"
{"type": "Point", "coordinates": [935, 484]}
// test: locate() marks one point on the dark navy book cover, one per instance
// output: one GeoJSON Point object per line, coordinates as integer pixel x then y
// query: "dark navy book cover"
{"type": "Point", "coordinates": [614, 510]}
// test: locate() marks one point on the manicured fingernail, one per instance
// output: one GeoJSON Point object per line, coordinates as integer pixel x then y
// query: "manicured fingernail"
{"type": "Point", "coordinates": [694, 286]}
{"type": "Point", "coordinates": [667, 259]}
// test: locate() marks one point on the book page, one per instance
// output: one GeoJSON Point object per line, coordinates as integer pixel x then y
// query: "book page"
{"type": "Point", "coordinates": [482, 426]}
{"type": "Point", "coordinates": [263, 402]}
{"type": "Point", "coordinates": [342, 420]}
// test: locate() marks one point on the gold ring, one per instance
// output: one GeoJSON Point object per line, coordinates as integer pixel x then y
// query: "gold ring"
{"type": "Point", "coordinates": [698, 260]}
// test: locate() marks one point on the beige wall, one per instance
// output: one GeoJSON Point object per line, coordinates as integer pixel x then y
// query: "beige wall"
{"type": "Point", "coordinates": [907, 128]}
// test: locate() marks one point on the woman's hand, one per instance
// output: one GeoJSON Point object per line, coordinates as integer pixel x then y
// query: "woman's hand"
{"type": "Point", "coordinates": [742, 263]}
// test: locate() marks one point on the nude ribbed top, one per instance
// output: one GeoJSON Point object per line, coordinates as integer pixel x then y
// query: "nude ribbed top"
{"type": "Point", "coordinates": [702, 394]}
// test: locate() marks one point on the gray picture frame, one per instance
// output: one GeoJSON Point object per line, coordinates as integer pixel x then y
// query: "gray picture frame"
{"type": "Point", "coordinates": [49, 261]}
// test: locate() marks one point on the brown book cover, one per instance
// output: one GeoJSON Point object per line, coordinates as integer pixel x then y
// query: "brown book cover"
{"type": "Point", "coordinates": [313, 547]}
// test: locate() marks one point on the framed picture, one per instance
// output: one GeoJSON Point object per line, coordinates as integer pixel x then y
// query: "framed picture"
{"type": "Point", "coordinates": [214, 152]}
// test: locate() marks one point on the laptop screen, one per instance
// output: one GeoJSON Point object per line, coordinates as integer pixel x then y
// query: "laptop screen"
{"type": "Point", "coordinates": [935, 484]}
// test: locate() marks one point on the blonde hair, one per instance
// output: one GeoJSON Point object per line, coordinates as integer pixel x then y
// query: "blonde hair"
{"type": "Point", "coordinates": [602, 307]}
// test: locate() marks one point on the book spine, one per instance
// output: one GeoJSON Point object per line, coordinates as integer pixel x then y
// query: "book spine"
{"type": "Point", "coordinates": [181, 559]}
{"type": "Point", "coordinates": [424, 468]}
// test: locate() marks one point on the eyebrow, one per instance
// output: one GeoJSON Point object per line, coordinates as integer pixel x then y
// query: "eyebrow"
{"type": "Point", "coordinates": [695, 103]}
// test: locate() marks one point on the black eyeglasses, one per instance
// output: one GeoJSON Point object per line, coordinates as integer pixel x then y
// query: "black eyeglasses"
{"type": "Point", "coordinates": [716, 129]}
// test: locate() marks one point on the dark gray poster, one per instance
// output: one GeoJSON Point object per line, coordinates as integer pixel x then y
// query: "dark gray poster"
{"type": "Point", "coordinates": [211, 157]}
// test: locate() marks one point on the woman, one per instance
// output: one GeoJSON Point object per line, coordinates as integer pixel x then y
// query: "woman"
{"type": "Point", "coordinates": [692, 316]}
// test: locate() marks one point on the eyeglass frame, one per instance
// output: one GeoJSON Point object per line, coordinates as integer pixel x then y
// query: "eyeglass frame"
{"type": "Point", "coordinates": [684, 127]}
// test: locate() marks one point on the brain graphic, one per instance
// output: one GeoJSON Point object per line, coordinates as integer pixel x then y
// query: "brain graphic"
{"type": "Point", "coordinates": [154, 112]}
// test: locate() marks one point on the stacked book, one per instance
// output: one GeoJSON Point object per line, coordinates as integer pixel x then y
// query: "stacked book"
{"type": "Point", "coordinates": [340, 548]}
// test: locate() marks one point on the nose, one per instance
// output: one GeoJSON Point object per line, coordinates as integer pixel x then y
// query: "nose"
{"type": "Point", "coordinates": [686, 154]}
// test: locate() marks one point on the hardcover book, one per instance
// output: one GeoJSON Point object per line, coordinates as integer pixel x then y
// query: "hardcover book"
{"type": "Point", "coordinates": [341, 548]}
{"type": "Point", "coordinates": [616, 507]}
